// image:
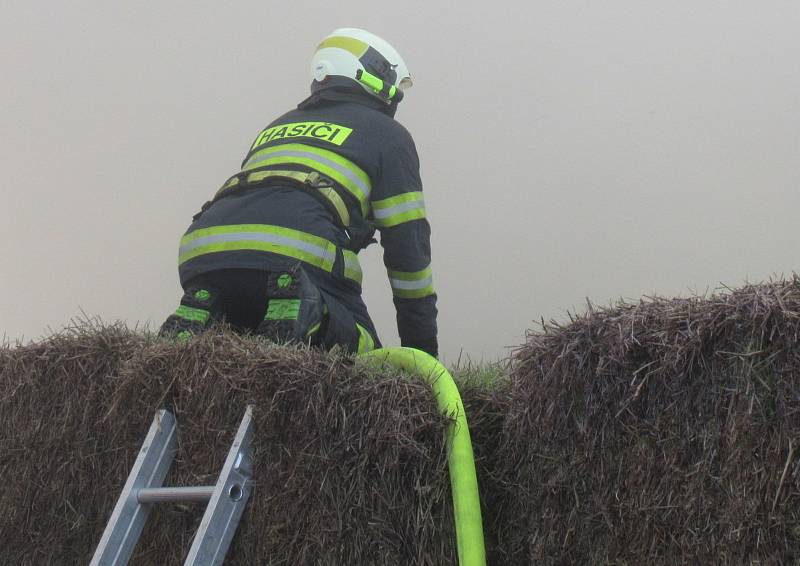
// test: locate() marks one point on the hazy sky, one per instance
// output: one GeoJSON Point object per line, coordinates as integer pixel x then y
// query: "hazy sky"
{"type": "Point", "coordinates": [569, 149]}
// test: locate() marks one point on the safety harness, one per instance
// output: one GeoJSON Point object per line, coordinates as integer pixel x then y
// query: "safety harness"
{"type": "Point", "coordinates": [358, 230]}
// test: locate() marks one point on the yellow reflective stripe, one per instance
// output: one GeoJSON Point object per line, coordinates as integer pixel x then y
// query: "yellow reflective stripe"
{"type": "Point", "coordinates": [365, 340]}
{"type": "Point", "coordinates": [411, 275]}
{"type": "Point", "coordinates": [411, 284]}
{"type": "Point", "coordinates": [352, 267]}
{"type": "Point", "coordinates": [319, 167]}
{"type": "Point", "coordinates": [267, 228]}
{"type": "Point", "coordinates": [259, 237]}
{"type": "Point", "coordinates": [354, 175]}
{"type": "Point", "coordinates": [413, 293]}
{"type": "Point", "coordinates": [327, 163]}
{"type": "Point", "coordinates": [232, 182]}
{"type": "Point", "coordinates": [398, 199]}
{"type": "Point", "coordinates": [323, 131]}
{"type": "Point", "coordinates": [256, 245]}
{"type": "Point", "coordinates": [398, 209]}
{"type": "Point", "coordinates": [354, 46]}
{"type": "Point", "coordinates": [400, 218]}
{"type": "Point", "coordinates": [322, 153]}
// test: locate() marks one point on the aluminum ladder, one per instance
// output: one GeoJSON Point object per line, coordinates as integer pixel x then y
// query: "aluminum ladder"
{"type": "Point", "coordinates": [226, 500]}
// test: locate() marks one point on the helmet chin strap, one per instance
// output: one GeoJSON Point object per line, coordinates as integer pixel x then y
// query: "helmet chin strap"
{"type": "Point", "coordinates": [387, 92]}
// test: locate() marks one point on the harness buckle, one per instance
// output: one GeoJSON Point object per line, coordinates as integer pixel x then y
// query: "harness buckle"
{"type": "Point", "coordinates": [317, 181]}
{"type": "Point", "coordinates": [242, 176]}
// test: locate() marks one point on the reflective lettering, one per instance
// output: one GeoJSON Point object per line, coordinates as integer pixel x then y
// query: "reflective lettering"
{"type": "Point", "coordinates": [320, 129]}
{"type": "Point", "coordinates": [332, 133]}
{"type": "Point", "coordinates": [261, 137]}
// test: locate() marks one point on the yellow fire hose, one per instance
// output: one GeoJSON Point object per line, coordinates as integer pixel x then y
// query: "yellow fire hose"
{"type": "Point", "coordinates": [463, 480]}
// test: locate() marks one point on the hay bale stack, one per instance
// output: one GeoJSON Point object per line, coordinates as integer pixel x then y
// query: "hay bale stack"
{"type": "Point", "coordinates": [350, 463]}
{"type": "Point", "coordinates": [662, 432]}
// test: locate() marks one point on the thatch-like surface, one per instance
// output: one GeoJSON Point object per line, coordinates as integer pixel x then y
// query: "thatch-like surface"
{"type": "Point", "coordinates": [350, 462]}
{"type": "Point", "coordinates": [663, 432]}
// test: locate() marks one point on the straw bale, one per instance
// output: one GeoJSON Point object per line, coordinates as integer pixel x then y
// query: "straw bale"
{"type": "Point", "coordinates": [350, 463]}
{"type": "Point", "coordinates": [659, 432]}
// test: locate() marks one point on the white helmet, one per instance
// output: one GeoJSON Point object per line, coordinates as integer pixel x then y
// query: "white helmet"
{"type": "Point", "coordinates": [363, 57]}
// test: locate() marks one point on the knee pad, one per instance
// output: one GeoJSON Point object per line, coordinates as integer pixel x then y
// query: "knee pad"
{"type": "Point", "coordinates": [342, 329]}
{"type": "Point", "coordinates": [295, 308]}
{"type": "Point", "coordinates": [366, 342]}
{"type": "Point", "coordinates": [198, 307]}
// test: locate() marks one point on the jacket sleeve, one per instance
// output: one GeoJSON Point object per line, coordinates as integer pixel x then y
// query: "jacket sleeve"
{"type": "Point", "coordinates": [398, 211]}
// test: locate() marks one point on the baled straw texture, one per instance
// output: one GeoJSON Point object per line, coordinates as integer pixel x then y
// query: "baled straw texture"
{"type": "Point", "coordinates": [350, 463]}
{"type": "Point", "coordinates": [662, 432]}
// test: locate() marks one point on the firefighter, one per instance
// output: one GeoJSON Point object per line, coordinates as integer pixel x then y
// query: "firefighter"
{"type": "Point", "coordinates": [275, 251]}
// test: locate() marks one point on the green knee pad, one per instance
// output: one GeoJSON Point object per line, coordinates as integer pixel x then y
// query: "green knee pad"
{"type": "Point", "coordinates": [295, 309]}
{"type": "Point", "coordinates": [193, 314]}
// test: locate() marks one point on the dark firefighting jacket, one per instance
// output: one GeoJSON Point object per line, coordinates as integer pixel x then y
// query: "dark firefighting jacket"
{"type": "Point", "coordinates": [313, 187]}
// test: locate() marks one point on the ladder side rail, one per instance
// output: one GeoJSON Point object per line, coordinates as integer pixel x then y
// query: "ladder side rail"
{"type": "Point", "coordinates": [127, 520]}
{"type": "Point", "coordinates": [221, 519]}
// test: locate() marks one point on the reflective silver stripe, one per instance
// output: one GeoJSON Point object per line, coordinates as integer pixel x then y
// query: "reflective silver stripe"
{"type": "Point", "coordinates": [317, 251]}
{"type": "Point", "coordinates": [411, 285]}
{"type": "Point", "coordinates": [382, 213]}
{"type": "Point", "coordinates": [344, 171]}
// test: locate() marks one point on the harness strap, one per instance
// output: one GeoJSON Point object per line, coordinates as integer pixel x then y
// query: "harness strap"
{"type": "Point", "coordinates": [313, 182]}
{"type": "Point", "coordinates": [359, 231]}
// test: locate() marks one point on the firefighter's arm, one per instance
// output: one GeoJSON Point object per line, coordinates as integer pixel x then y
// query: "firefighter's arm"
{"type": "Point", "coordinates": [398, 210]}
{"type": "Point", "coordinates": [406, 254]}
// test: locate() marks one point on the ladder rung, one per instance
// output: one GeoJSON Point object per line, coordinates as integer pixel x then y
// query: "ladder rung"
{"type": "Point", "coordinates": [175, 494]}
{"type": "Point", "coordinates": [225, 500]}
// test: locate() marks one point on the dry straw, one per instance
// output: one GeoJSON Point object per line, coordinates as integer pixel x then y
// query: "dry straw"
{"type": "Point", "coordinates": [350, 466]}
{"type": "Point", "coordinates": [660, 432]}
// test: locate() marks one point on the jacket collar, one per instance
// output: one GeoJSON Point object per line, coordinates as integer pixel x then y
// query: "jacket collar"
{"type": "Point", "coordinates": [339, 92]}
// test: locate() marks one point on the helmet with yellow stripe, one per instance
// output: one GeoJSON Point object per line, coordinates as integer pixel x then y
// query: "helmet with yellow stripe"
{"type": "Point", "coordinates": [363, 57]}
